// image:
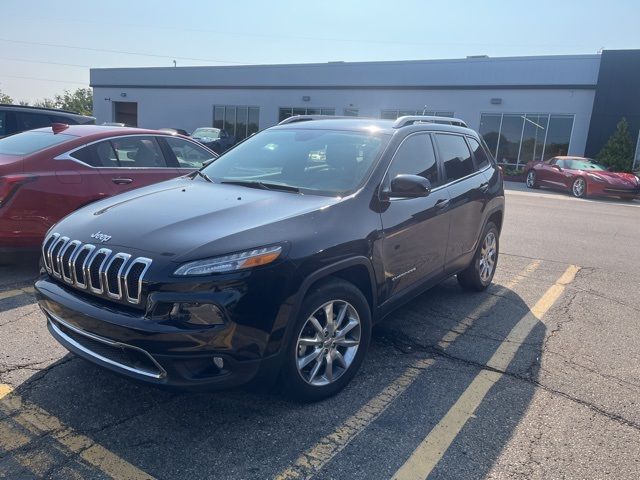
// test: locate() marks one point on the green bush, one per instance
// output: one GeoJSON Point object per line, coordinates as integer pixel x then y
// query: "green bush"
{"type": "Point", "coordinates": [618, 152]}
{"type": "Point", "coordinates": [512, 171]}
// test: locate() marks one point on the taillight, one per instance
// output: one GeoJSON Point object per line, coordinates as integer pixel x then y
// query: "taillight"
{"type": "Point", "coordinates": [10, 184]}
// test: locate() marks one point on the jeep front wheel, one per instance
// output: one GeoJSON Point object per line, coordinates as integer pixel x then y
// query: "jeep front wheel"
{"type": "Point", "coordinates": [330, 340]}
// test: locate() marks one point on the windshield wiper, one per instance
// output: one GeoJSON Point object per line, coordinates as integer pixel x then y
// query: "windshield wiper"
{"type": "Point", "coordinates": [203, 175]}
{"type": "Point", "coordinates": [262, 185]}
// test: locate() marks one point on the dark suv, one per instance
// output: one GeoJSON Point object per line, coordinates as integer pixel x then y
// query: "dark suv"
{"type": "Point", "coordinates": [278, 257]}
{"type": "Point", "coordinates": [19, 118]}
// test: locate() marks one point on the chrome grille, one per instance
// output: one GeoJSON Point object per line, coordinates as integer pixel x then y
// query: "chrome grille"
{"type": "Point", "coordinates": [98, 270]}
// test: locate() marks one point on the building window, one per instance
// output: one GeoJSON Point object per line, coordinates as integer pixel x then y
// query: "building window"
{"type": "Point", "coordinates": [392, 114]}
{"type": "Point", "coordinates": [351, 112]}
{"type": "Point", "coordinates": [286, 112]}
{"type": "Point", "coordinates": [518, 138]}
{"type": "Point", "coordinates": [237, 121]}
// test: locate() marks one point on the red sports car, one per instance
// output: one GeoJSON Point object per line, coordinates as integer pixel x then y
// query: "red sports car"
{"type": "Point", "coordinates": [49, 172]}
{"type": "Point", "coordinates": [582, 177]}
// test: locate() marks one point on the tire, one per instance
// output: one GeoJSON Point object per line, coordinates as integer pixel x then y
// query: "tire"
{"type": "Point", "coordinates": [476, 277]}
{"type": "Point", "coordinates": [314, 381]}
{"type": "Point", "coordinates": [531, 180]}
{"type": "Point", "coordinates": [579, 188]}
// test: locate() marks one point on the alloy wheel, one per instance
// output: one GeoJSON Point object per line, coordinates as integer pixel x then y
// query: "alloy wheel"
{"type": "Point", "coordinates": [487, 257]}
{"type": "Point", "coordinates": [328, 342]}
{"type": "Point", "coordinates": [579, 187]}
{"type": "Point", "coordinates": [531, 179]}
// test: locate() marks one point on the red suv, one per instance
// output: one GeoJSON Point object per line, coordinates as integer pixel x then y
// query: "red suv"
{"type": "Point", "coordinates": [49, 172]}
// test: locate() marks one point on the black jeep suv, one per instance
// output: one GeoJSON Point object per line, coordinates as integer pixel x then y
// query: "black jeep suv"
{"type": "Point", "coordinates": [278, 257]}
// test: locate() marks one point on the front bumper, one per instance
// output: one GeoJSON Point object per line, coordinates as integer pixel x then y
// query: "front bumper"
{"type": "Point", "coordinates": [208, 358]}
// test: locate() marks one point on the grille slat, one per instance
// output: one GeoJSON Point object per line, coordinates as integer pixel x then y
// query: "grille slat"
{"type": "Point", "coordinates": [85, 266]}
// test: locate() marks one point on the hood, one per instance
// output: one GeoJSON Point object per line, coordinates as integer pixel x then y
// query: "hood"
{"type": "Point", "coordinates": [616, 178]}
{"type": "Point", "coordinates": [182, 216]}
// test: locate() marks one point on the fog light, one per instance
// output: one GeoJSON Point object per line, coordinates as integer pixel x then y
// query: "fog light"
{"type": "Point", "coordinates": [197, 313]}
{"type": "Point", "coordinates": [218, 362]}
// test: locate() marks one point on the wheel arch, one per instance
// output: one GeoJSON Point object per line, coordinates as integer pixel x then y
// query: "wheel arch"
{"type": "Point", "coordinates": [357, 270]}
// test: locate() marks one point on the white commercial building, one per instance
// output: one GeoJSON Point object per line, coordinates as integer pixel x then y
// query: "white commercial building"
{"type": "Point", "coordinates": [526, 107]}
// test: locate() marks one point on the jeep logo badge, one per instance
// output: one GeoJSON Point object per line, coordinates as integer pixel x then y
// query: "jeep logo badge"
{"type": "Point", "coordinates": [101, 237]}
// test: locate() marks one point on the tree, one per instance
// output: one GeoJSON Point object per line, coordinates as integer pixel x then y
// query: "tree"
{"type": "Point", "coordinates": [80, 101]}
{"type": "Point", "coordinates": [4, 98]}
{"type": "Point", "coordinates": [618, 152]}
{"type": "Point", "coordinates": [46, 103]}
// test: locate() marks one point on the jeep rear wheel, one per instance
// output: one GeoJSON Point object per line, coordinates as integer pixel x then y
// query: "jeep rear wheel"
{"type": "Point", "coordinates": [329, 342]}
{"type": "Point", "coordinates": [479, 274]}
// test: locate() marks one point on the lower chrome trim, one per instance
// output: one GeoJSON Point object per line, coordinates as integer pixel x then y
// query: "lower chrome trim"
{"type": "Point", "coordinates": [52, 318]}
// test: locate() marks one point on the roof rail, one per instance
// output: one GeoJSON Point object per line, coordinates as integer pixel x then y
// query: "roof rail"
{"type": "Point", "coordinates": [306, 118]}
{"type": "Point", "coordinates": [410, 120]}
{"type": "Point", "coordinates": [33, 107]}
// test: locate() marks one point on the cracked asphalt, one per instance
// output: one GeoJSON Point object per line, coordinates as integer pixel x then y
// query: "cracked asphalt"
{"type": "Point", "coordinates": [565, 407]}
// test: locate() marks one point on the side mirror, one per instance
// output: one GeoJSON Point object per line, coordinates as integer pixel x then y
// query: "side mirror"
{"type": "Point", "coordinates": [557, 167]}
{"type": "Point", "coordinates": [409, 186]}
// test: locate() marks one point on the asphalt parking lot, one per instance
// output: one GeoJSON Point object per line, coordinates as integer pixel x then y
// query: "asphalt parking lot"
{"type": "Point", "coordinates": [537, 378]}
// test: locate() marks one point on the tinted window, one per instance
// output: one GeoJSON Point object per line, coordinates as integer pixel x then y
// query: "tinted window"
{"type": "Point", "coordinates": [3, 123]}
{"type": "Point", "coordinates": [455, 156]}
{"type": "Point", "coordinates": [99, 154]}
{"type": "Point", "coordinates": [415, 156]}
{"type": "Point", "coordinates": [479, 154]}
{"type": "Point", "coordinates": [29, 142]}
{"type": "Point", "coordinates": [140, 152]}
{"type": "Point", "coordinates": [189, 155]}
{"type": "Point", "coordinates": [29, 121]}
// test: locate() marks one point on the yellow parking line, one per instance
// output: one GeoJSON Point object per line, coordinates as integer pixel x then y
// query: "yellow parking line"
{"type": "Point", "coordinates": [313, 459]}
{"type": "Point", "coordinates": [424, 458]}
{"type": "Point", "coordinates": [38, 422]}
{"type": "Point", "coordinates": [16, 292]}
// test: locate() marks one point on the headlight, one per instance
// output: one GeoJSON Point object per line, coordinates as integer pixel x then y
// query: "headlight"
{"type": "Point", "coordinates": [230, 263]}
{"type": "Point", "coordinates": [597, 178]}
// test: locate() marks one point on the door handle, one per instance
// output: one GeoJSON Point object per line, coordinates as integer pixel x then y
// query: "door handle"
{"type": "Point", "coordinates": [484, 188]}
{"type": "Point", "coordinates": [122, 181]}
{"type": "Point", "coordinates": [442, 203]}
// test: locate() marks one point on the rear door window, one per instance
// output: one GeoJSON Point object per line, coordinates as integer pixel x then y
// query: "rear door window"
{"type": "Point", "coordinates": [482, 160]}
{"type": "Point", "coordinates": [455, 156]}
{"type": "Point", "coordinates": [3, 123]}
{"type": "Point", "coordinates": [99, 154]}
{"type": "Point", "coordinates": [139, 152]}
{"type": "Point", "coordinates": [415, 156]}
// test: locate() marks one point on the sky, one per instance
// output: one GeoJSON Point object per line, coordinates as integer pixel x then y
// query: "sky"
{"type": "Point", "coordinates": [49, 46]}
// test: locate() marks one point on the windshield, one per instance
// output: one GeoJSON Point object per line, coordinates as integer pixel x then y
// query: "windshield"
{"type": "Point", "coordinates": [206, 132]}
{"type": "Point", "coordinates": [583, 165]}
{"type": "Point", "coordinates": [26, 143]}
{"type": "Point", "coordinates": [324, 162]}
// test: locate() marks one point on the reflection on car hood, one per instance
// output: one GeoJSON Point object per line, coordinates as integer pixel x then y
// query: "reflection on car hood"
{"type": "Point", "coordinates": [179, 216]}
{"type": "Point", "coordinates": [619, 178]}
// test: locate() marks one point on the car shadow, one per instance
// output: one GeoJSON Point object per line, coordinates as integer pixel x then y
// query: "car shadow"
{"type": "Point", "coordinates": [244, 434]}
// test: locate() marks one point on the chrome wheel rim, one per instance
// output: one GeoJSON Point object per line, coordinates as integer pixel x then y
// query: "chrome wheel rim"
{"type": "Point", "coordinates": [488, 254]}
{"type": "Point", "coordinates": [328, 342]}
{"type": "Point", "coordinates": [578, 187]}
{"type": "Point", "coordinates": [531, 179]}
